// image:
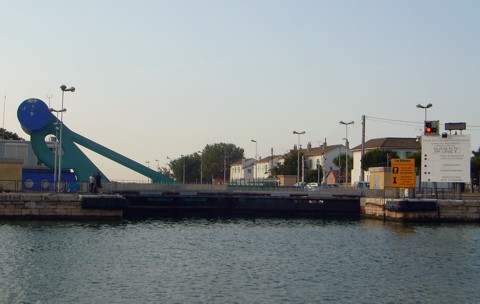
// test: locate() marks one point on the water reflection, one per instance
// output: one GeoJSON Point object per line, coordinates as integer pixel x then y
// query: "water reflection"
{"type": "Point", "coordinates": [238, 260]}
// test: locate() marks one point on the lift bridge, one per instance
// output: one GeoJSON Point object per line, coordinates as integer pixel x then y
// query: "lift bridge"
{"type": "Point", "coordinates": [38, 121]}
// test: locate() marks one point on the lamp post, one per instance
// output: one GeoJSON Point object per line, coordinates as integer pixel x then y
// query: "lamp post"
{"type": "Point", "coordinates": [183, 172]}
{"type": "Point", "coordinates": [346, 149]}
{"type": "Point", "coordinates": [64, 89]}
{"type": "Point", "coordinates": [298, 154]}
{"type": "Point", "coordinates": [148, 165]}
{"type": "Point", "coordinates": [56, 147]}
{"type": "Point", "coordinates": [419, 106]}
{"type": "Point", "coordinates": [255, 163]}
{"type": "Point", "coordinates": [225, 167]}
{"type": "Point", "coordinates": [201, 167]}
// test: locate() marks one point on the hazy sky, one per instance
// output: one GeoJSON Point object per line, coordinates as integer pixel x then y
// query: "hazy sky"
{"type": "Point", "coordinates": [165, 78]}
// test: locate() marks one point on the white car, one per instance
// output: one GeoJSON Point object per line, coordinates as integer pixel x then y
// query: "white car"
{"type": "Point", "coordinates": [313, 186]}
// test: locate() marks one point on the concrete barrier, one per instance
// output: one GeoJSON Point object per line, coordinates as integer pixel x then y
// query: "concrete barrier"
{"type": "Point", "coordinates": [26, 206]}
{"type": "Point", "coordinates": [446, 210]}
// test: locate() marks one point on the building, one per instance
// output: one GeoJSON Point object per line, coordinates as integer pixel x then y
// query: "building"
{"type": "Point", "coordinates": [248, 170]}
{"type": "Point", "coordinates": [34, 174]}
{"type": "Point", "coordinates": [263, 167]}
{"type": "Point", "coordinates": [242, 171]}
{"type": "Point", "coordinates": [403, 146]}
{"type": "Point", "coordinates": [21, 150]}
{"type": "Point", "coordinates": [323, 156]}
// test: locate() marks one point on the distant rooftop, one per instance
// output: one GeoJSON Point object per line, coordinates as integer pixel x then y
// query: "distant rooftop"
{"type": "Point", "coordinates": [391, 143]}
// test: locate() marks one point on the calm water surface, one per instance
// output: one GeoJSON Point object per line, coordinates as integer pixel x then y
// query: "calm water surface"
{"type": "Point", "coordinates": [239, 261]}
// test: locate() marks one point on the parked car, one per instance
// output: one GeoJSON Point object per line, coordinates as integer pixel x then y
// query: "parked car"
{"type": "Point", "coordinates": [313, 186]}
{"type": "Point", "coordinates": [330, 186]}
{"type": "Point", "coordinates": [300, 184]}
{"type": "Point", "coordinates": [361, 185]}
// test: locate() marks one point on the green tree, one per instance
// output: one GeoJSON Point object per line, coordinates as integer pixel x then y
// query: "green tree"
{"type": "Point", "coordinates": [212, 160]}
{"type": "Point", "coordinates": [188, 166]}
{"type": "Point", "coordinates": [339, 161]}
{"type": "Point", "coordinates": [217, 159]}
{"type": "Point", "coordinates": [289, 165]}
{"type": "Point", "coordinates": [417, 156]}
{"type": "Point", "coordinates": [312, 175]}
{"type": "Point", "coordinates": [377, 158]}
{"type": "Point", "coordinates": [166, 171]}
{"type": "Point", "coordinates": [9, 135]}
{"type": "Point", "coordinates": [475, 167]}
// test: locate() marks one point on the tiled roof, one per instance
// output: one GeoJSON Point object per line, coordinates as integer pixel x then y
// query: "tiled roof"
{"type": "Point", "coordinates": [246, 162]}
{"type": "Point", "coordinates": [394, 143]}
{"type": "Point", "coordinates": [269, 158]}
{"type": "Point", "coordinates": [319, 150]}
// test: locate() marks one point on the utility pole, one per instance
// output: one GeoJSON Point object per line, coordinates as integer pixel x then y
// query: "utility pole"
{"type": "Point", "coordinates": [3, 124]}
{"type": "Point", "coordinates": [362, 173]}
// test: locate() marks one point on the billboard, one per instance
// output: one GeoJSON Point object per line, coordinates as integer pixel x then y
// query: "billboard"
{"type": "Point", "coordinates": [446, 159]}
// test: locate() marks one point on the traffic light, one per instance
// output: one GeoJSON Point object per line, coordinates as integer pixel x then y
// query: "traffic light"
{"type": "Point", "coordinates": [431, 127]}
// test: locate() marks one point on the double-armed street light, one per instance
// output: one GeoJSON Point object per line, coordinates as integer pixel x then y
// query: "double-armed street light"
{"type": "Point", "coordinates": [298, 154]}
{"type": "Point", "coordinates": [56, 146]}
{"type": "Point", "coordinates": [346, 149]}
{"type": "Point", "coordinates": [419, 106]}
{"type": "Point", "coordinates": [201, 167]}
{"type": "Point", "coordinates": [64, 89]}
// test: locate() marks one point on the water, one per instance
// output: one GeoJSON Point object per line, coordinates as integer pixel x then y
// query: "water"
{"type": "Point", "coordinates": [239, 261]}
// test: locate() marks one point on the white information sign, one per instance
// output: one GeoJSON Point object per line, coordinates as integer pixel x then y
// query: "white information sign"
{"type": "Point", "coordinates": [446, 159]}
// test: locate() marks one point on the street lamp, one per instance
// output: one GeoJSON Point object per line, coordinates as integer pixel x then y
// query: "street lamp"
{"type": "Point", "coordinates": [298, 157]}
{"type": "Point", "coordinates": [64, 89]}
{"type": "Point", "coordinates": [419, 106]}
{"type": "Point", "coordinates": [56, 146]}
{"type": "Point", "coordinates": [183, 173]}
{"type": "Point", "coordinates": [201, 167]}
{"type": "Point", "coordinates": [255, 163]}
{"type": "Point", "coordinates": [346, 149]}
{"type": "Point", "coordinates": [425, 108]}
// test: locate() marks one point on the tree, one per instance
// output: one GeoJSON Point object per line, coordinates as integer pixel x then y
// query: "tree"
{"type": "Point", "coordinates": [165, 171]}
{"type": "Point", "coordinates": [9, 135]}
{"type": "Point", "coordinates": [339, 161]}
{"type": "Point", "coordinates": [475, 167]}
{"type": "Point", "coordinates": [217, 159]}
{"type": "Point", "coordinates": [214, 161]}
{"type": "Point", "coordinates": [289, 165]}
{"type": "Point", "coordinates": [188, 167]}
{"type": "Point", "coordinates": [417, 156]}
{"type": "Point", "coordinates": [312, 175]}
{"type": "Point", "coordinates": [377, 158]}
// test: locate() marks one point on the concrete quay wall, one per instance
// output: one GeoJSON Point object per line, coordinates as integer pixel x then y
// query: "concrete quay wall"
{"type": "Point", "coordinates": [446, 211]}
{"type": "Point", "coordinates": [51, 206]}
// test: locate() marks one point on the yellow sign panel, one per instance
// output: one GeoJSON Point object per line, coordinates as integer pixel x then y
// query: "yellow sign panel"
{"type": "Point", "coordinates": [403, 172]}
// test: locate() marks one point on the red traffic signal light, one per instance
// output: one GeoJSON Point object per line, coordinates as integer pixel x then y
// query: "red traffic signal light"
{"type": "Point", "coordinates": [431, 127]}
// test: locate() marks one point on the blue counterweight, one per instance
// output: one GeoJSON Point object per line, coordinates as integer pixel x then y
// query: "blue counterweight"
{"type": "Point", "coordinates": [37, 121]}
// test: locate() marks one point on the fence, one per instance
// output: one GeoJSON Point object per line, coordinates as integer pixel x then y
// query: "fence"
{"type": "Point", "coordinates": [42, 186]}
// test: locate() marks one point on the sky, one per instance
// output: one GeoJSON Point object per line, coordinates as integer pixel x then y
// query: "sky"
{"type": "Point", "coordinates": [158, 79]}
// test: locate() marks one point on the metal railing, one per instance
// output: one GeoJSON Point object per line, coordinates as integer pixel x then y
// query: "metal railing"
{"type": "Point", "coordinates": [42, 186]}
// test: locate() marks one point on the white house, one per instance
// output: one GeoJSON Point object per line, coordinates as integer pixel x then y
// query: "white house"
{"type": "Point", "coordinates": [403, 146]}
{"type": "Point", "coordinates": [323, 156]}
{"type": "Point", "coordinates": [263, 167]}
{"type": "Point", "coordinates": [242, 170]}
